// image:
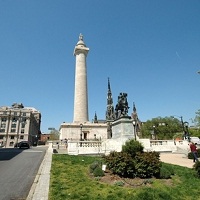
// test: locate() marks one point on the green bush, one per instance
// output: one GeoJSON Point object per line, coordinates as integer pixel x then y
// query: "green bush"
{"type": "Point", "coordinates": [120, 163]}
{"type": "Point", "coordinates": [190, 155]}
{"type": "Point", "coordinates": [119, 183]}
{"type": "Point", "coordinates": [132, 147]}
{"type": "Point", "coordinates": [147, 164]}
{"type": "Point", "coordinates": [197, 168]}
{"type": "Point", "coordinates": [94, 165]}
{"type": "Point", "coordinates": [98, 172]}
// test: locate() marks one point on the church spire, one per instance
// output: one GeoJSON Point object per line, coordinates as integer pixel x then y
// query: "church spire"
{"type": "Point", "coordinates": [110, 115]}
{"type": "Point", "coordinates": [95, 118]}
{"type": "Point", "coordinates": [134, 113]}
{"type": "Point", "coordinates": [134, 108]}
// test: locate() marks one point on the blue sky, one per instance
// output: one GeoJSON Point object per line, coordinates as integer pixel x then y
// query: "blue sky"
{"type": "Point", "coordinates": [148, 49]}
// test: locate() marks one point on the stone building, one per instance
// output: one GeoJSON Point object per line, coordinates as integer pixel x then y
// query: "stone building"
{"type": "Point", "coordinates": [19, 123]}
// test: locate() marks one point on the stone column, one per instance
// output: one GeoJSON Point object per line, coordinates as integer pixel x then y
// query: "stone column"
{"type": "Point", "coordinates": [81, 93]}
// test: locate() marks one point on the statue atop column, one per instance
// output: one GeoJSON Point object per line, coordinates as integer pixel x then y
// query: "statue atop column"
{"type": "Point", "coordinates": [80, 36]}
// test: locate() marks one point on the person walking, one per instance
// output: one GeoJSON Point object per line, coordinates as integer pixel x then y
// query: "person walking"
{"type": "Point", "coordinates": [193, 149]}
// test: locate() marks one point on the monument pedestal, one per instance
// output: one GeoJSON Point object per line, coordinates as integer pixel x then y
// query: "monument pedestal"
{"type": "Point", "coordinates": [122, 130]}
{"type": "Point", "coordinates": [123, 127]}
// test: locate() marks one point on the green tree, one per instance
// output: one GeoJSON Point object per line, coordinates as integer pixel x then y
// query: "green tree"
{"type": "Point", "coordinates": [54, 135]}
{"type": "Point", "coordinates": [162, 128]}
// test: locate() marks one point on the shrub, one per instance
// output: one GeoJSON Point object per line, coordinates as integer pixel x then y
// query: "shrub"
{"type": "Point", "coordinates": [55, 151]}
{"type": "Point", "coordinates": [120, 163]}
{"type": "Point", "coordinates": [132, 147]}
{"type": "Point", "coordinates": [147, 164]}
{"type": "Point", "coordinates": [98, 172]}
{"type": "Point", "coordinates": [94, 165]}
{"type": "Point", "coordinates": [190, 155]}
{"type": "Point", "coordinates": [197, 168]}
{"type": "Point", "coordinates": [119, 183]}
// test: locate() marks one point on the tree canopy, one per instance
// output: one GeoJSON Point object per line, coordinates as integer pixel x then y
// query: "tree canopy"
{"type": "Point", "coordinates": [162, 128]}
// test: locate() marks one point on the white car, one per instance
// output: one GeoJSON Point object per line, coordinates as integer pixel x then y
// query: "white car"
{"type": "Point", "coordinates": [195, 140]}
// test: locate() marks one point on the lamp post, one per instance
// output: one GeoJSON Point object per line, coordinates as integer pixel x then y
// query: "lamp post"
{"type": "Point", "coordinates": [184, 127]}
{"type": "Point", "coordinates": [182, 124]}
{"type": "Point", "coordinates": [154, 132]}
{"type": "Point", "coordinates": [186, 131]}
{"type": "Point", "coordinates": [81, 127]}
{"type": "Point", "coordinates": [134, 124]}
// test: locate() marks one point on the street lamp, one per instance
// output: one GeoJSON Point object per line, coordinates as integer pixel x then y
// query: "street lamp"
{"type": "Point", "coordinates": [184, 127]}
{"type": "Point", "coordinates": [81, 127]}
{"type": "Point", "coordinates": [182, 124]}
{"type": "Point", "coordinates": [186, 133]}
{"type": "Point", "coordinates": [154, 132]}
{"type": "Point", "coordinates": [134, 124]}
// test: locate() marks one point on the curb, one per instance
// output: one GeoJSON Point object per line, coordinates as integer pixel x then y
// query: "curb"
{"type": "Point", "coordinates": [43, 174]}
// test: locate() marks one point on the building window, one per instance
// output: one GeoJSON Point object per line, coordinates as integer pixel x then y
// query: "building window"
{"type": "Point", "coordinates": [5, 113]}
{"type": "Point", "coordinates": [22, 130]}
{"type": "Point", "coordinates": [1, 137]}
{"type": "Point", "coordinates": [23, 125]}
{"type": "Point", "coordinates": [15, 113]}
{"type": "Point", "coordinates": [12, 137]}
{"type": "Point", "coordinates": [2, 130]}
{"type": "Point", "coordinates": [3, 119]}
{"type": "Point", "coordinates": [13, 130]}
{"type": "Point", "coordinates": [11, 144]}
{"type": "Point", "coordinates": [13, 125]}
{"type": "Point", "coordinates": [21, 137]}
{"type": "Point", "coordinates": [3, 125]}
{"type": "Point", "coordinates": [23, 119]}
{"type": "Point", "coordinates": [14, 119]}
{"type": "Point", "coordinates": [24, 114]}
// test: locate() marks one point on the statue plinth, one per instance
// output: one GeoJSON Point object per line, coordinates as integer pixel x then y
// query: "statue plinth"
{"type": "Point", "coordinates": [122, 127]}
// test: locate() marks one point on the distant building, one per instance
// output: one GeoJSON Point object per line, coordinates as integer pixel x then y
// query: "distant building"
{"type": "Point", "coordinates": [19, 123]}
{"type": "Point", "coordinates": [45, 137]}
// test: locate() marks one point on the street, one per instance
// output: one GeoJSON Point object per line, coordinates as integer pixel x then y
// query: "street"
{"type": "Point", "coordinates": [18, 169]}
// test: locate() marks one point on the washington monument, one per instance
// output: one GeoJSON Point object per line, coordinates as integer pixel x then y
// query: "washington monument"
{"type": "Point", "coordinates": [81, 92]}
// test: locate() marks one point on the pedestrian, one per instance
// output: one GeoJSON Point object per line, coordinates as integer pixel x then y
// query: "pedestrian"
{"type": "Point", "coordinates": [193, 149]}
{"type": "Point", "coordinates": [66, 142]}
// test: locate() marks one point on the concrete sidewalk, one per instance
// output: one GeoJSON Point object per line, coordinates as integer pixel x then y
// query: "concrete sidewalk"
{"type": "Point", "coordinates": [176, 159]}
{"type": "Point", "coordinates": [40, 187]}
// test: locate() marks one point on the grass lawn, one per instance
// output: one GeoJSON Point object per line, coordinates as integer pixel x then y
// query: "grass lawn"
{"type": "Point", "coordinates": [70, 179]}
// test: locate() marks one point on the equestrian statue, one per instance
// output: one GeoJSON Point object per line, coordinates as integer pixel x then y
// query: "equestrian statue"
{"type": "Point", "coordinates": [121, 109]}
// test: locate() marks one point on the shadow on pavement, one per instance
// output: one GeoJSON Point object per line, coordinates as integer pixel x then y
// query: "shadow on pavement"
{"type": "Point", "coordinates": [9, 153]}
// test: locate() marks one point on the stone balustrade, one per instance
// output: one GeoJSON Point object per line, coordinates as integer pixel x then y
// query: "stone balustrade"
{"type": "Point", "coordinates": [76, 147]}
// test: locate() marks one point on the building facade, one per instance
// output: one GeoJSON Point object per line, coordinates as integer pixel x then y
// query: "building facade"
{"type": "Point", "coordinates": [19, 123]}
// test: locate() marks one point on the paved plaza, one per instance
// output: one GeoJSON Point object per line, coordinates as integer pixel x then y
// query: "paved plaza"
{"type": "Point", "coordinates": [176, 159]}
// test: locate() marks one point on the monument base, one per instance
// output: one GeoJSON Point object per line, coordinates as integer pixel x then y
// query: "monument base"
{"type": "Point", "coordinates": [122, 127]}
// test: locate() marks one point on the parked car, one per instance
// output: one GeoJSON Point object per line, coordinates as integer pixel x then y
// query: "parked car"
{"type": "Point", "coordinates": [16, 145]}
{"type": "Point", "coordinates": [195, 140]}
{"type": "Point", "coordinates": [24, 144]}
{"type": "Point", "coordinates": [1, 145]}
